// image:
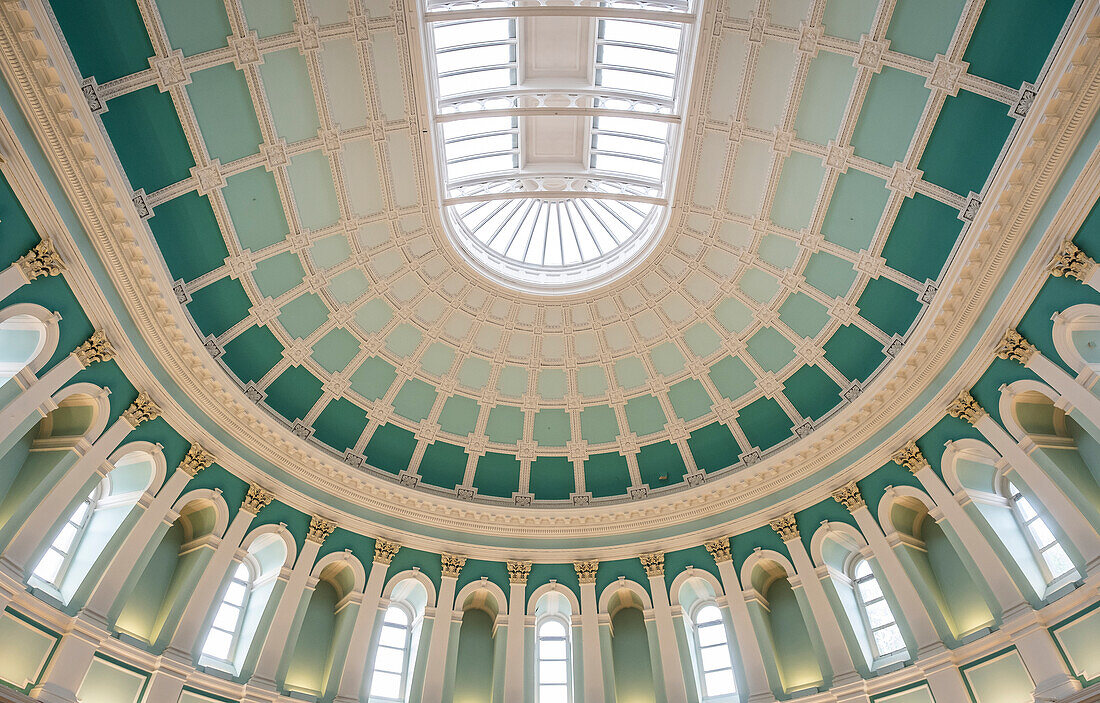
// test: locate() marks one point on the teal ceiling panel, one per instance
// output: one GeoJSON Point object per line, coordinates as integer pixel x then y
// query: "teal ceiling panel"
{"type": "Point", "coordinates": [293, 393]}
{"type": "Point", "coordinates": [714, 447]}
{"type": "Point", "coordinates": [278, 274]}
{"type": "Point", "coordinates": [390, 449]}
{"type": "Point", "coordinates": [255, 208]}
{"type": "Point", "coordinates": [187, 235]}
{"type": "Point", "coordinates": [923, 28]}
{"type": "Point", "coordinates": [496, 475]}
{"type": "Point", "coordinates": [551, 427]}
{"type": "Point", "coordinates": [118, 47]}
{"type": "Point", "coordinates": [661, 464]}
{"type": "Point", "coordinates": [764, 423]}
{"type": "Point", "coordinates": [217, 307]}
{"type": "Point", "coordinates": [849, 19]}
{"type": "Point", "coordinates": [644, 415]}
{"type": "Point", "coordinates": [804, 315]}
{"type": "Point", "coordinates": [812, 392]}
{"type": "Point", "coordinates": [796, 194]}
{"type": "Point", "coordinates": [459, 415]}
{"type": "Point", "coordinates": [599, 424]}
{"type": "Point", "coordinates": [689, 399]}
{"type": "Point", "coordinates": [831, 275]}
{"type": "Point", "coordinates": [923, 235]}
{"type": "Point", "coordinates": [252, 353]}
{"type": "Point", "coordinates": [888, 306]}
{"type": "Point", "coordinates": [443, 465]}
{"type": "Point", "coordinates": [314, 193]}
{"type": "Point", "coordinates": [304, 315]}
{"type": "Point", "coordinates": [373, 378]}
{"type": "Point", "coordinates": [1012, 39]}
{"type": "Point", "coordinates": [415, 399]}
{"type": "Point", "coordinates": [891, 111]}
{"type": "Point", "coordinates": [965, 142]}
{"type": "Point", "coordinates": [269, 17]}
{"type": "Point", "coordinates": [505, 424]}
{"type": "Point", "coordinates": [290, 95]}
{"type": "Point", "coordinates": [552, 478]}
{"type": "Point", "coordinates": [335, 350]}
{"type": "Point", "coordinates": [855, 210]}
{"type": "Point", "coordinates": [770, 349]}
{"type": "Point", "coordinates": [161, 156]}
{"type": "Point", "coordinates": [606, 474]}
{"type": "Point", "coordinates": [825, 97]}
{"type": "Point", "coordinates": [223, 108]}
{"type": "Point", "coordinates": [732, 377]}
{"type": "Point", "coordinates": [853, 352]}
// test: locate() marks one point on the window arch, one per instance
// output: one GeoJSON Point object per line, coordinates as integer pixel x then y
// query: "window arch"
{"type": "Point", "coordinates": [225, 632]}
{"type": "Point", "coordinates": [878, 619]}
{"type": "Point", "coordinates": [711, 642]}
{"type": "Point", "coordinates": [58, 558]}
{"type": "Point", "coordinates": [553, 660]}
{"type": "Point", "coordinates": [1049, 554]}
{"type": "Point", "coordinates": [392, 659]}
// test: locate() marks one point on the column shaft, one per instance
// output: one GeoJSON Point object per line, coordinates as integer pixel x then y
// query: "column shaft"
{"type": "Point", "coordinates": [514, 664]}
{"type": "Point", "coordinates": [675, 689]}
{"type": "Point", "coordinates": [70, 663]}
{"type": "Point", "coordinates": [840, 659]}
{"type": "Point", "coordinates": [354, 670]}
{"type": "Point", "coordinates": [437, 645]}
{"type": "Point", "coordinates": [747, 643]}
{"type": "Point", "coordinates": [275, 639]}
{"type": "Point", "coordinates": [590, 645]}
{"type": "Point", "coordinates": [35, 396]}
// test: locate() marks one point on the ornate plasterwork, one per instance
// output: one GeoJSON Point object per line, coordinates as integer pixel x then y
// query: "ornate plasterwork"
{"type": "Point", "coordinates": [966, 408]}
{"type": "Point", "coordinates": [518, 571]}
{"type": "Point", "coordinates": [41, 260]}
{"type": "Point", "coordinates": [1014, 346]}
{"type": "Point", "coordinates": [653, 563]}
{"type": "Point", "coordinates": [785, 526]}
{"type": "Point", "coordinates": [586, 571]}
{"type": "Point", "coordinates": [196, 460]}
{"type": "Point", "coordinates": [849, 496]}
{"type": "Point", "coordinates": [257, 499]}
{"type": "Point", "coordinates": [911, 457]}
{"type": "Point", "coordinates": [719, 549]}
{"type": "Point", "coordinates": [143, 408]}
{"type": "Point", "coordinates": [320, 529]}
{"type": "Point", "coordinates": [1071, 261]}
{"type": "Point", "coordinates": [96, 348]}
{"type": "Point", "coordinates": [385, 551]}
{"type": "Point", "coordinates": [1032, 165]}
{"type": "Point", "coordinates": [452, 565]}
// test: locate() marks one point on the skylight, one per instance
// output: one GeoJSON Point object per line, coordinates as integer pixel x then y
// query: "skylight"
{"type": "Point", "coordinates": [556, 131]}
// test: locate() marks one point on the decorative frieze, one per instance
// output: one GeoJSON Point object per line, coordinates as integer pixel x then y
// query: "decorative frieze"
{"type": "Point", "coordinates": [911, 457]}
{"type": "Point", "coordinates": [1016, 347]}
{"type": "Point", "coordinates": [385, 551]}
{"type": "Point", "coordinates": [653, 563]}
{"type": "Point", "coordinates": [586, 570]}
{"type": "Point", "coordinates": [319, 529]}
{"type": "Point", "coordinates": [257, 499]}
{"type": "Point", "coordinates": [785, 526]}
{"type": "Point", "coordinates": [41, 260]}
{"type": "Point", "coordinates": [849, 496]}
{"type": "Point", "coordinates": [719, 549]}
{"type": "Point", "coordinates": [97, 348]}
{"type": "Point", "coordinates": [518, 571]}
{"type": "Point", "coordinates": [966, 408]}
{"type": "Point", "coordinates": [196, 460]}
{"type": "Point", "coordinates": [1071, 261]}
{"type": "Point", "coordinates": [452, 564]}
{"type": "Point", "coordinates": [143, 408]}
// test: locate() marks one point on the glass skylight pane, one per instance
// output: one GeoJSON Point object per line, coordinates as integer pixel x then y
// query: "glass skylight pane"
{"type": "Point", "coordinates": [1026, 510]}
{"type": "Point", "coordinates": [79, 513]}
{"type": "Point", "coordinates": [241, 573]}
{"type": "Point", "coordinates": [662, 35]}
{"type": "Point", "coordinates": [632, 125]}
{"type": "Point", "coordinates": [476, 125]}
{"type": "Point", "coordinates": [708, 614]}
{"type": "Point", "coordinates": [462, 59]}
{"type": "Point", "coordinates": [634, 82]}
{"type": "Point", "coordinates": [460, 33]}
{"type": "Point", "coordinates": [627, 165]}
{"type": "Point", "coordinates": [1042, 533]}
{"type": "Point", "coordinates": [480, 145]}
{"type": "Point", "coordinates": [629, 146]}
{"type": "Point", "coordinates": [488, 164]}
{"type": "Point", "coordinates": [634, 57]}
{"type": "Point", "coordinates": [65, 538]}
{"type": "Point", "coordinates": [476, 81]}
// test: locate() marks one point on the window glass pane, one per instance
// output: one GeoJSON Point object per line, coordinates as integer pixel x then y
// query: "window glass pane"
{"type": "Point", "coordinates": [715, 657]}
{"type": "Point", "coordinates": [477, 125]}
{"type": "Point", "coordinates": [553, 694]}
{"type": "Point", "coordinates": [480, 145]}
{"type": "Point", "coordinates": [638, 58]}
{"type": "Point", "coordinates": [235, 593]}
{"type": "Point", "coordinates": [1042, 533]}
{"type": "Point", "coordinates": [869, 590]}
{"type": "Point", "coordinates": [462, 33]}
{"type": "Point", "coordinates": [633, 82]}
{"type": "Point", "coordinates": [719, 683]}
{"type": "Point", "coordinates": [630, 147]}
{"type": "Point", "coordinates": [385, 685]}
{"type": "Point", "coordinates": [708, 614]}
{"type": "Point", "coordinates": [1026, 510]}
{"type": "Point", "coordinates": [461, 59]}
{"type": "Point", "coordinates": [552, 649]}
{"type": "Point", "coordinates": [389, 659]}
{"type": "Point", "coordinates": [667, 36]}
{"type": "Point", "coordinates": [552, 672]}
{"type": "Point", "coordinates": [633, 125]}
{"type": "Point", "coordinates": [226, 619]}
{"type": "Point", "coordinates": [711, 635]}
{"type": "Point", "coordinates": [879, 614]}
{"type": "Point", "coordinates": [218, 644]}
{"type": "Point", "coordinates": [242, 574]}
{"type": "Point", "coordinates": [477, 80]}
{"type": "Point", "coordinates": [488, 164]}
{"type": "Point", "coordinates": [1057, 561]}
{"type": "Point", "coordinates": [396, 616]}
{"type": "Point", "coordinates": [888, 640]}
{"type": "Point", "coordinates": [862, 569]}
{"type": "Point", "coordinates": [65, 538]}
{"type": "Point", "coordinates": [80, 512]}
{"type": "Point", "coordinates": [392, 636]}
{"type": "Point", "coordinates": [628, 166]}
{"type": "Point", "coordinates": [49, 566]}
{"type": "Point", "coordinates": [552, 628]}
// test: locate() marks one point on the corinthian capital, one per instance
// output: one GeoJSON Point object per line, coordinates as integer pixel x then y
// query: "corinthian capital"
{"type": "Point", "coordinates": [1071, 261]}
{"type": "Point", "coordinates": [1014, 346]}
{"type": "Point", "coordinates": [911, 457]}
{"type": "Point", "coordinates": [452, 564]}
{"type": "Point", "coordinates": [41, 260]}
{"type": "Point", "coordinates": [849, 496]}
{"type": "Point", "coordinates": [257, 499]}
{"type": "Point", "coordinates": [97, 348]}
{"type": "Point", "coordinates": [385, 551]}
{"type": "Point", "coordinates": [586, 570]}
{"type": "Point", "coordinates": [719, 549]}
{"type": "Point", "coordinates": [966, 408]}
{"type": "Point", "coordinates": [143, 408]}
{"type": "Point", "coordinates": [319, 529]}
{"type": "Point", "coordinates": [653, 563]}
{"type": "Point", "coordinates": [196, 460]}
{"type": "Point", "coordinates": [518, 571]}
{"type": "Point", "coordinates": [785, 526]}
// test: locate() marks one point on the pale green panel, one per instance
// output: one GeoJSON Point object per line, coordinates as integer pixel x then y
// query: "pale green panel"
{"type": "Point", "coordinates": [195, 26]}
{"type": "Point", "coordinates": [269, 17]}
{"type": "Point", "coordinates": [749, 179]}
{"type": "Point", "coordinates": [209, 91]}
{"type": "Point", "coordinates": [759, 285]}
{"type": "Point", "coordinates": [599, 424]}
{"type": "Point", "coordinates": [923, 28]}
{"type": "Point", "coordinates": [402, 168]}
{"type": "Point", "coordinates": [828, 84]}
{"type": "Point", "coordinates": [830, 274]}
{"type": "Point", "coordinates": [415, 399]}
{"type": "Point", "coordinates": [732, 377]}
{"type": "Point", "coordinates": [24, 651]}
{"type": "Point", "coordinates": [1079, 641]}
{"type": "Point", "coordinates": [778, 251]}
{"type": "Point", "coordinates": [106, 682]}
{"type": "Point", "coordinates": [360, 164]}
{"type": "Point", "coordinates": [712, 162]}
{"type": "Point", "coordinates": [1000, 680]}
{"type": "Point", "coordinates": [742, 9]}
{"type": "Point", "coordinates": [403, 340]}
{"type": "Point", "coordinates": [803, 314]}
{"type": "Point", "coordinates": [278, 274]}
{"type": "Point", "coordinates": [552, 384]}
{"type": "Point", "coordinates": [702, 339]}
{"type": "Point", "coordinates": [849, 19]}
{"type": "Point", "coordinates": [373, 315]}
{"type": "Point", "coordinates": [728, 75]}
{"type": "Point", "coordinates": [914, 695]}
{"type": "Point", "coordinates": [789, 13]}
{"type": "Point", "coordinates": [771, 350]}
{"type": "Point", "coordinates": [1087, 344]}
{"type": "Point", "coordinates": [592, 381]}
{"type": "Point", "coordinates": [387, 77]}
{"type": "Point", "coordinates": [303, 315]}
{"type": "Point", "coordinates": [314, 192]}
{"type": "Point", "coordinates": [667, 359]}
{"type": "Point", "coordinates": [512, 381]}
{"type": "Point", "coordinates": [376, 8]}
{"type": "Point", "coordinates": [689, 399]}
{"type": "Point", "coordinates": [734, 315]}
{"type": "Point", "coordinates": [895, 100]}
{"type": "Point", "coordinates": [349, 285]}
{"type": "Point", "coordinates": [335, 350]}
{"type": "Point", "coordinates": [551, 428]}
{"type": "Point", "coordinates": [736, 234]}
{"type": "Point", "coordinates": [373, 378]}
{"type": "Point", "coordinates": [644, 415]}
{"type": "Point", "coordinates": [796, 194]}
{"type": "Point", "coordinates": [630, 372]}
{"type": "Point", "coordinates": [329, 11]}
{"type": "Point", "coordinates": [474, 373]}
{"type": "Point", "coordinates": [775, 65]}
{"type": "Point", "coordinates": [438, 359]}
{"type": "Point", "coordinates": [330, 251]}
{"type": "Point", "coordinates": [290, 95]}
{"type": "Point", "coordinates": [343, 79]}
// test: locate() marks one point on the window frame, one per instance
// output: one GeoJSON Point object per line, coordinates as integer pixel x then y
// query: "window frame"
{"type": "Point", "coordinates": [406, 654]}
{"type": "Point", "coordinates": [92, 502]}
{"type": "Point", "coordinates": [238, 628]}
{"type": "Point", "coordinates": [878, 658]}
{"type": "Point", "coordinates": [1012, 493]}
{"type": "Point", "coordinates": [564, 622]}
{"type": "Point", "coordinates": [697, 646]}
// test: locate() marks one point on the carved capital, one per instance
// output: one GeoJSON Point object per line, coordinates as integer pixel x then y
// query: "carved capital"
{"type": "Point", "coordinates": [586, 570]}
{"type": "Point", "coordinates": [1071, 261]}
{"type": "Point", "coordinates": [319, 529]}
{"type": "Point", "coordinates": [385, 551]}
{"type": "Point", "coordinates": [653, 563]}
{"type": "Point", "coordinates": [97, 348]}
{"type": "Point", "coordinates": [257, 499]}
{"type": "Point", "coordinates": [719, 549]}
{"type": "Point", "coordinates": [966, 408]}
{"type": "Point", "coordinates": [196, 460]}
{"type": "Point", "coordinates": [143, 408]}
{"type": "Point", "coordinates": [452, 564]}
{"type": "Point", "coordinates": [849, 496]}
{"type": "Point", "coordinates": [785, 526]}
{"type": "Point", "coordinates": [911, 457]}
{"type": "Point", "coordinates": [518, 571]}
{"type": "Point", "coordinates": [1014, 346]}
{"type": "Point", "coordinates": [41, 260]}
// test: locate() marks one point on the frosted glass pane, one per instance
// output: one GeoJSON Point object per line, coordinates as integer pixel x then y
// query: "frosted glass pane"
{"type": "Point", "coordinates": [396, 616]}
{"type": "Point", "coordinates": [393, 637]}
{"type": "Point", "coordinates": [65, 537]}
{"type": "Point", "coordinates": [879, 614]}
{"type": "Point", "coordinates": [552, 649]}
{"type": "Point", "coordinates": [1057, 560]}
{"type": "Point", "coordinates": [719, 683]}
{"type": "Point", "coordinates": [218, 644]}
{"type": "Point", "coordinates": [385, 685]}
{"type": "Point", "coordinates": [1042, 533]}
{"type": "Point", "coordinates": [552, 672]}
{"type": "Point", "coordinates": [712, 634]}
{"type": "Point", "coordinates": [553, 694]}
{"type": "Point", "coordinates": [226, 619]}
{"type": "Point", "coordinates": [888, 640]}
{"type": "Point", "coordinates": [870, 590]}
{"type": "Point", "coordinates": [708, 614]}
{"type": "Point", "coordinates": [49, 566]}
{"type": "Point", "coordinates": [715, 657]}
{"type": "Point", "coordinates": [552, 628]}
{"type": "Point", "coordinates": [79, 513]}
{"type": "Point", "coordinates": [1025, 508]}
{"type": "Point", "coordinates": [389, 659]}
{"type": "Point", "coordinates": [471, 32]}
{"type": "Point", "coordinates": [235, 593]}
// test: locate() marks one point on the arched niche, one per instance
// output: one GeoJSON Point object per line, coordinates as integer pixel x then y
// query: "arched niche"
{"type": "Point", "coordinates": [480, 607]}
{"type": "Point", "coordinates": [633, 640]}
{"type": "Point", "coordinates": [716, 665]}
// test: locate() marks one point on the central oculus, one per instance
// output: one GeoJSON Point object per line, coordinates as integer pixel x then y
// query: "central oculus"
{"type": "Point", "coordinates": [556, 132]}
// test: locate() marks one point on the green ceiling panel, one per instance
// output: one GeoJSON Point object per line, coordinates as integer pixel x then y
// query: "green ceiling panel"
{"type": "Point", "coordinates": [217, 307]}
{"type": "Point", "coordinates": [923, 28]}
{"type": "Point", "coordinates": [373, 315]}
{"type": "Point", "coordinates": [404, 339]}
{"type": "Point", "coordinates": [373, 378]}
{"type": "Point", "coordinates": [661, 464]}
{"type": "Point", "coordinates": [734, 315]}
{"type": "Point", "coordinates": [778, 251]}
{"type": "Point", "coordinates": [732, 377]}
{"type": "Point", "coordinates": [812, 392]}
{"type": "Point", "coordinates": [759, 285]}
{"type": "Point", "coordinates": [788, 13]}
{"type": "Point", "coordinates": [689, 399]}
{"type": "Point", "coordinates": [361, 175]}
{"type": "Point", "coordinates": [606, 474]}
{"type": "Point", "coordinates": [330, 251]}
{"type": "Point", "coordinates": [551, 427]}
{"type": "Point", "coordinates": [505, 424]}
{"type": "Point", "coordinates": [965, 142]}
{"type": "Point", "coordinates": [255, 208]}
{"type": "Point", "coordinates": [19, 232]}
{"type": "Point", "coordinates": [443, 465]}
{"type": "Point", "coordinates": [290, 94]}
{"type": "Point", "coordinates": [853, 352]}
{"type": "Point", "coordinates": [278, 274]}
{"type": "Point", "coordinates": [335, 350]}
{"type": "Point", "coordinates": [187, 235]}
{"type": "Point", "coordinates": [714, 447]}
{"type": "Point", "coordinates": [496, 475]}
{"type": "Point", "coordinates": [828, 84]}
{"type": "Point", "coordinates": [118, 47]}
{"type": "Point", "coordinates": [591, 381]}
{"type": "Point", "coordinates": [764, 423]}
{"type": "Point", "coordinates": [831, 275]}
{"type": "Point", "coordinates": [512, 381]}
{"type": "Point", "coordinates": [269, 17]}
{"type": "Point", "coordinates": [293, 393]}
{"type": "Point", "coordinates": [804, 315]}
{"type": "Point", "coordinates": [796, 193]}
{"type": "Point", "coordinates": [195, 26]}
{"type": "Point", "coordinates": [161, 156]}
{"type": "Point", "coordinates": [644, 415]}
{"type": "Point", "coordinates": [552, 384]}
{"type": "Point", "coordinates": [702, 339]}
{"type": "Point", "coordinates": [302, 316]}
{"type": "Point", "coordinates": [771, 349]}
{"type": "Point", "coordinates": [552, 478]}
{"type": "Point", "coordinates": [346, 98]}
{"type": "Point", "coordinates": [923, 235]}
{"type": "Point", "coordinates": [459, 415]}
{"type": "Point", "coordinates": [348, 286]}
{"type": "Point", "coordinates": [888, 306]}
{"type": "Point", "coordinates": [599, 424]}
{"type": "Point", "coordinates": [415, 399]}
{"type": "Point", "coordinates": [252, 353]}
{"type": "Point", "coordinates": [667, 359]}
{"type": "Point", "coordinates": [310, 177]}
{"type": "Point", "coordinates": [893, 107]}
{"type": "Point", "coordinates": [849, 19]}
{"type": "Point", "coordinates": [474, 373]}
{"type": "Point", "coordinates": [855, 210]}
{"type": "Point", "coordinates": [630, 372]}
{"type": "Point", "coordinates": [438, 359]}
{"type": "Point", "coordinates": [1013, 37]}
{"type": "Point", "coordinates": [223, 108]}
{"type": "Point", "coordinates": [391, 448]}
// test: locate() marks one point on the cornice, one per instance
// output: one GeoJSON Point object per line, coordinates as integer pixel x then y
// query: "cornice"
{"type": "Point", "coordinates": [79, 155]}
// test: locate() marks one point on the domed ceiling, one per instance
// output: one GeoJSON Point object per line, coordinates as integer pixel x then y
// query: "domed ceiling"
{"type": "Point", "coordinates": [832, 155]}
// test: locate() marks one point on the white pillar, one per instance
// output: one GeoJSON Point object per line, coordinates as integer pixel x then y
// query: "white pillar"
{"type": "Point", "coordinates": [756, 675]}
{"type": "Point", "coordinates": [913, 610]}
{"type": "Point", "coordinates": [118, 570]}
{"type": "Point", "coordinates": [41, 260]}
{"type": "Point", "coordinates": [514, 663]}
{"type": "Point", "coordinates": [275, 639]}
{"type": "Point", "coordinates": [590, 632]}
{"type": "Point", "coordinates": [675, 689]}
{"type": "Point", "coordinates": [840, 658]}
{"type": "Point", "coordinates": [353, 673]}
{"type": "Point", "coordinates": [436, 663]}
{"type": "Point", "coordinates": [166, 683]}
{"type": "Point", "coordinates": [202, 604]}
{"type": "Point", "coordinates": [944, 679]}
{"type": "Point", "coordinates": [1058, 504]}
{"type": "Point", "coordinates": [67, 490]}
{"type": "Point", "coordinates": [68, 667]}
{"type": "Point", "coordinates": [1040, 655]}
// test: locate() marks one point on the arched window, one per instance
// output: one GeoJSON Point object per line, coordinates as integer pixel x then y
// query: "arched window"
{"type": "Point", "coordinates": [1050, 555]}
{"type": "Point", "coordinates": [391, 661]}
{"type": "Point", "coordinates": [225, 632]}
{"type": "Point", "coordinates": [53, 564]}
{"type": "Point", "coordinates": [713, 651]}
{"type": "Point", "coordinates": [882, 627]}
{"type": "Point", "coordinates": [553, 661]}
